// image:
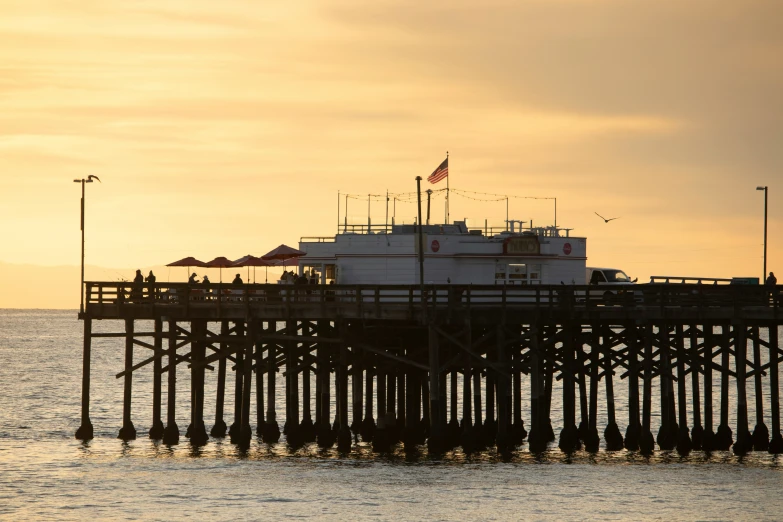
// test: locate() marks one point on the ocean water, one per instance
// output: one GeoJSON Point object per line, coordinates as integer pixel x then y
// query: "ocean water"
{"type": "Point", "coordinates": [46, 474]}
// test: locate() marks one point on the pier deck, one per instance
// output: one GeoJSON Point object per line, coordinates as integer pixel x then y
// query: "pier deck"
{"type": "Point", "coordinates": [396, 352]}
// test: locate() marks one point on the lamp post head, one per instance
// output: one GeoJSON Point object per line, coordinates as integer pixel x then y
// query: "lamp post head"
{"type": "Point", "coordinates": [761, 188]}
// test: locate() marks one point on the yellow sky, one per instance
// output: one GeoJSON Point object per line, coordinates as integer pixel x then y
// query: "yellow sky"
{"type": "Point", "coordinates": [227, 128]}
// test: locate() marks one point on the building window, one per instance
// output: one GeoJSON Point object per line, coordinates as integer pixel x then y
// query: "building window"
{"type": "Point", "coordinates": [517, 274]}
{"type": "Point", "coordinates": [534, 274]}
{"type": "Point", "coordinates": [500, 273]}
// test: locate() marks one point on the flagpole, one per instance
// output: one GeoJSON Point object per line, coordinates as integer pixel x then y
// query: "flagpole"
{"type": "Point", "coordinates": [447, 191]}
{"type": "Point", "coordinates": [345, 228]}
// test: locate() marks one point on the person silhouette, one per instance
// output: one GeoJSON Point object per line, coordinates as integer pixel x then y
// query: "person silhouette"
{"type": "Point", "coordinates": [151, 280]}
{"type": "Point", "coordinates": [237, 280]}
{"type": "Point", "coordinates": [771, 280]}
{"type": "Point", "coordinates": [138, 281]}
{"type": "Point", "coordinates": [205, 281]}
{"type": "Point", "coordinates": [192, 280]}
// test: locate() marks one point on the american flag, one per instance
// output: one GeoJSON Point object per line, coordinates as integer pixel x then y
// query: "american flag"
{"type": "Point", "coordinates": [441, 172]}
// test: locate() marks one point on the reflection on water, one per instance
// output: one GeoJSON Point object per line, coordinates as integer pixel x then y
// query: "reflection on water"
{"type": "Point", "coordinates": [107, 478]}
{"type": "Point", "coordinates": [361, 453]}
{"type": "Point", "coordinates": [46, 474]}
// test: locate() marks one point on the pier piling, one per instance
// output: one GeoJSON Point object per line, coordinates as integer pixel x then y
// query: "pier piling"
{"type": "Point", "coordinates": [128, 431]}
{"type": "Point", "coordinates": [760, 432]}
{"type": "Point", "coordinates": [612, 435]}
{"type": "Point", "coordinates": [518, 431]}
{"type": "Point", "coordinates": [632, 433]}
{"type": "Point", "coordinates": [776, 443]}
{"type": "Point", "coordinates": [368, 427]}
{"type": "Point", "coordinates": [697, 432]}
{"type": "Point", "coordinates": [646, 440]}
{"type": "Point", "coordinates": [171, 432]}
{"type": "Point", "coordinates": [744, 442]}
{"type": "Point", "coordinates": [591, 439]}
{"type": "Point", "coordinates": [436, 441]}
{"type": "Point", "coordinates": [684, 444]}
{"type": "Point", "coordinates": [219, 429]}
{"type": "Point", "coordinates": [344, 431]}
{"type": "Point", "coordinates": [724, 437]}
{"type": "Point", "coordinates": [156, 430]}
{"type": "Point", "coordinates": [197, 431]}
{"type": "Point", "coordinates": [708, 437]}
{"type": "Point", "coordinates": [258, 364]}
{"type": "Point", "coordinates": [85, 430]}
{"type": "Point", "coordinates": [569, 437]}
{"type": "Point", "coordinates": [271, 431]}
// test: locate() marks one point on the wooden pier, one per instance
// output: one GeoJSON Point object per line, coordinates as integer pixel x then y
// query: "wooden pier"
{"type": "Point", "coordinates": [395, 353]}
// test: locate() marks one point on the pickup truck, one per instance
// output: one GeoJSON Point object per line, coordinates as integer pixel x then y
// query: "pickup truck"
{"type": "Point", "coordinates": [615, 280]}
{"type": "Point", "coordinates": [607, 276]}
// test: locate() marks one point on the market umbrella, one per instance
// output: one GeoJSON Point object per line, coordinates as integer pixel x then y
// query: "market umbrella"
{"type": "Point", "coordinates": [253, 261]}
{"type": "Point", "coordinates": [221, 263]}
{"type": "Point", "coordinates": [188, 262]}
{"type": "Point", "coordinates": [284, 262]}
{"type": "Point", "coordinates": [282, 253]}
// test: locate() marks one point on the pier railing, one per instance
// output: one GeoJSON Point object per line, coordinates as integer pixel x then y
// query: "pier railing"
{"type": "Point", "coordinates": [102, 294]}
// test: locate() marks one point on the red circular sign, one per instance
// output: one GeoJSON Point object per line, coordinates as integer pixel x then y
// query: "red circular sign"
{"type": "Point", "coordinates": [567, 249]}
{"type": "Point", "coordinates": [434, 246]}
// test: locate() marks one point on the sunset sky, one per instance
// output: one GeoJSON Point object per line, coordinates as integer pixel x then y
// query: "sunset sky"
{"type": "Point", "coordinates": [227, 128]}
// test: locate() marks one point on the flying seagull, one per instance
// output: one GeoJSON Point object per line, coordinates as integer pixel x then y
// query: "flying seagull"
{"type": "Point", "coordinates": [91, 177]}
{"type": "Point", "coordinates": [605, 220]}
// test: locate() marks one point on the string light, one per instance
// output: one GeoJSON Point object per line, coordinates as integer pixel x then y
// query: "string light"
{"type": "Point", "coordinates": [499, 197]}
{"type": "Point", "coordinates": [411, 196]}
{"type": "Point", "coordinates": [399, 196]}
{"type": "Point", "coordinates": [460, 194]}
{"type": "Point", "coordinates": [474, 195]}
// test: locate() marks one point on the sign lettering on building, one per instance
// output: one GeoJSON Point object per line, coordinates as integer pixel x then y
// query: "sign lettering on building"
{"type": "Point", "coordinates": [523, 245]}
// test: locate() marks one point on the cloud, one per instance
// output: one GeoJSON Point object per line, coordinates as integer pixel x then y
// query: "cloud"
{"type": "Point", "coordinates": [230, 127]}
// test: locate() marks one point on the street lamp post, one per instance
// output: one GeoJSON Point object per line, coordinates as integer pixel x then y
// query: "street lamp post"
{"type": "Point", "coordinates": [89, 179]}
{"type": "Point", "coordinates": [85, 431]}
{"type": "Point", "coordinates": [764, 274]}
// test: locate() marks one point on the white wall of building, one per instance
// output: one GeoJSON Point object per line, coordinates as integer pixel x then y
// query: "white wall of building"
{"type": "Point", "coordinates": [461, 258]}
